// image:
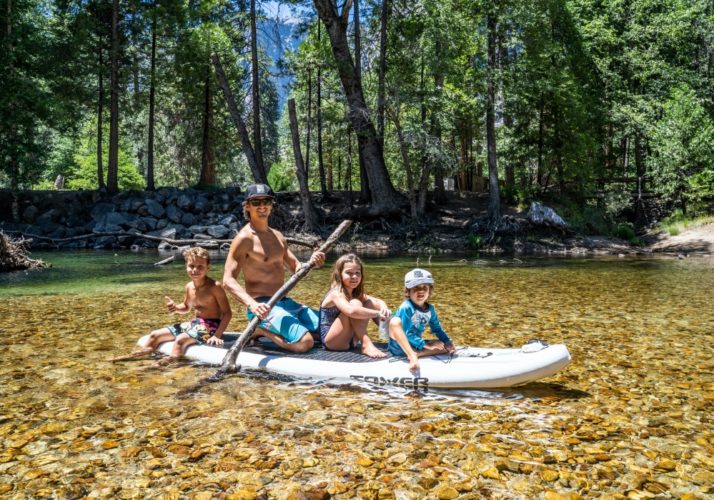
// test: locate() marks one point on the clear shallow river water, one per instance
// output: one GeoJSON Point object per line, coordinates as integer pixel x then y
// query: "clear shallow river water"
{"type": "Point", "coordinates": [631, 417]}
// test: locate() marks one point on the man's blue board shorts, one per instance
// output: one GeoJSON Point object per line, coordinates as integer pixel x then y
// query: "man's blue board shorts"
{"type": "Point", "coordinates": [288, 319]}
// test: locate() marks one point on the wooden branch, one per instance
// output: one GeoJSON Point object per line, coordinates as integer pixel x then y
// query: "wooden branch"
{"type": "Point", "coordinates": [345, 14]}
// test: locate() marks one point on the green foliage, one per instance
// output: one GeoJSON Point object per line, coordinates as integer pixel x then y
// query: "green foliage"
{"type": "Point", "coordinates": [81, 173]}
{"type": "Point", "coordinates": [476, 241]}
{"type": "Point", "coordinates": [615, 201]}
{"type": "Point", "coordinates": [700, 186]}
{"type": "Point", "coordinates": [677, 221]}
{"type": "Point", "coordinates": [586, 218]}
{"type": "Point", "coordinates": [282, 176]}
{"type": "Point", "coordinates": [625, 231]}
{"type": "Point", "coordinates": [585, 91]}
{"type": "Point", "coordinates": [84, 176]}
{"type": "Point", "coordinates": [683, 148]}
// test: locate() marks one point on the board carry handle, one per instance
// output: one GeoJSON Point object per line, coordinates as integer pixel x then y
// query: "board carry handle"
{"type": "Point", "coordinates": [229, 364]}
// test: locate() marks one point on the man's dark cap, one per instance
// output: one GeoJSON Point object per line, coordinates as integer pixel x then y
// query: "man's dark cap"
{"type": "Point", "coordinates": [258, 190]}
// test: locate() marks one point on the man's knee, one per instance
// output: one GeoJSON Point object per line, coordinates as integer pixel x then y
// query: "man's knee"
{"type": "Point", "coordinates": [305, 343]}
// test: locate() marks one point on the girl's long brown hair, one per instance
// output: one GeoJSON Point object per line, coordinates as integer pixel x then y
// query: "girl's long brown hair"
{"type": "Point", "coordinates": [358, 292]}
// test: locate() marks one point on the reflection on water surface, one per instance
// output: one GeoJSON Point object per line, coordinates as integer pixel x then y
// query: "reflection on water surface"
{"type": "Point", "coordinates": [630, 417]}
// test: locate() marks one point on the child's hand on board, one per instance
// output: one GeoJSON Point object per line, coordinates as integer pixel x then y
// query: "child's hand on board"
{"type": "Point", "coordinates": [213, 340]}
{"type": "Point", "coordinates": [413, 363]}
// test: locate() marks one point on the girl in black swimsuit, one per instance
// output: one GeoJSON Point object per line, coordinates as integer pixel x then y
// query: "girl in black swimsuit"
{"type": "Point", "coordinates": [346, 309]}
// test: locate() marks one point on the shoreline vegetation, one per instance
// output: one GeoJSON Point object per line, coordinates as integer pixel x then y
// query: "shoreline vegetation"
{"type": "Point", "coordinates": [170, 219]}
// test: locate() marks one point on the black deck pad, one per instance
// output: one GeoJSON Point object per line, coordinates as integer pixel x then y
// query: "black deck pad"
{"type": "Point", "coordinates": [317, 353]}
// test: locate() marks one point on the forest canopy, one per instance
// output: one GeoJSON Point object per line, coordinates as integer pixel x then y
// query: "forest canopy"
{"type": "Point", "coordinates": [603, 103]}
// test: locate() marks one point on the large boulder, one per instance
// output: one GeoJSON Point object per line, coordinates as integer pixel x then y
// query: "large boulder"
{"type": "Point", "coordinates": [228, 220]}
{"type": "Point", "coordinates": [188, 219]}
{"type": "Point", "coordinates": [217, 231]}
{"type": "Point", "coordinates": [101, 209]}
{"type": "Point", "coordinates": [202, 205]}
{"type": "Point", "coordinates": [174, 214]}
{"type": "Point", "coordinates": [53, 215]}
{"type": "Point", "coordinates": [149, 222]}
{"type": "Point", "coordinates": [541, 215]}
{"type": "Point", "coordinates": [30, 213]}
{"type": "Point", "coordinates": [152, 208]}
{"type": "Point", "coordinates": [131, 204]}
{"type": "Point", "coordinates": [137, 223]}
{"type": "Point", "coordinates": [185, 202]}
{"type": "Point", "coordinates": [110, 223]}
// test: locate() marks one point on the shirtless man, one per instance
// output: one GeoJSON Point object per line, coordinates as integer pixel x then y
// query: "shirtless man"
{"type": "Point", "coordinates": [261, 253]}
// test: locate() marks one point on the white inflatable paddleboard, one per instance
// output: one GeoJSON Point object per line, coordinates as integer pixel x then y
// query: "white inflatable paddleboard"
{"type": "Point", "coordinates": [468, 367]}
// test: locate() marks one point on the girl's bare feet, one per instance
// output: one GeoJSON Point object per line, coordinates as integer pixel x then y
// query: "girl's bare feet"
{"type": "Point", "coordinates": [144, 351]}
{"type": "Point", "coordinates": [372, 351]}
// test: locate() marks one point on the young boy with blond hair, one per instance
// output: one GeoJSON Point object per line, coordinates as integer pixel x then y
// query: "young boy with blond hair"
{"type": "Point", "coordinates": [202, 294]}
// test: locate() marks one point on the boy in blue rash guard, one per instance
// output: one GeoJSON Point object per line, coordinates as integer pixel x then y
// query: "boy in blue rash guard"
{"type": "Point", "coordinates": [406, 328]}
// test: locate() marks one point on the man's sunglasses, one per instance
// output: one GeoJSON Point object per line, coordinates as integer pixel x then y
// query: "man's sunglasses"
{"type": "Point", "coordinates": [261, 202]}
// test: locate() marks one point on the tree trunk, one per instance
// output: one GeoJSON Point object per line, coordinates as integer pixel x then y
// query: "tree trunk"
{"type": "Point", "coordinates": [208, 171]}
{"type": "Point", "coordinates": [308, 208]}
{"type": "Point", "coordinates": [152, 103]}
{"type": "Point", "coordinates": [464, 141]}
{"type": "Point", "coordinates": [133, 14]}
{"type": "Point", "coordinates": [258, 173]}
{"type": "Point", "coordinates": [358, 42]}
{"type": "Point", "coordinates": [329, 173]}
{"type": "Point", "coordinates": [541, 141]}
{"type": "Point", "coordinates": [309, 124]}
{"type": "Point", "coordinates": [384, 199]}
{"type": "Point", "coordinates": [14, 166]}
{"type": "Point", "coordinates": [494, 198]}
{"type": "Point", "coordinates": [113, 166]}
{"type": "Point", "coordinates": [348, 167]}
{"type": "Point", "coordinates": [100, 120]}
{"type": "Point", "coordinates": [503, 62]}
{"type": "Point", "coordinates": [425, 167]}
{"type": "Point", "coordinates": [364, 195]}
{"type": "Point", "coordinates": [558, 149]}
{"type": "Point", "coordinates": [435, 128]}
{"type": "Point", "coordinates": [640, 215]}
{"type": "Point", "coordinates": [320, 159]}
{"type": "Point", "coordinates": [381, 84]}
{"type": "Point", "coordinates": [257, 138]}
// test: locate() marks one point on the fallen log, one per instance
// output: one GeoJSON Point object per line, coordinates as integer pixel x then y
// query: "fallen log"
{"type": "Point", "coordinates": [165, 261]}
{"type": "Point", "coordinates": [14, 255]}
{"type": "Point", "coordinates": [56, 241]}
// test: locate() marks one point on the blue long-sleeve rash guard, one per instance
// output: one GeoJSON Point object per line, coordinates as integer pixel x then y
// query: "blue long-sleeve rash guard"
{"type": "Point", "coordinates": [414, 322]}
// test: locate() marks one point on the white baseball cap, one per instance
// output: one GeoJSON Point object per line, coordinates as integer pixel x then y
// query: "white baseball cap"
{"type": "Point", "coordinates": [417, 277]}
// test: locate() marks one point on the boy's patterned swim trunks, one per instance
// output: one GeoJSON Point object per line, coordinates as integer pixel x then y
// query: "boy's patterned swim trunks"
{"type": "Point", "coordinates": [199, 329]}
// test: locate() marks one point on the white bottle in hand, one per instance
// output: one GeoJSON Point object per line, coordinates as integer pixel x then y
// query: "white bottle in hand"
{"type": "Point", "coordinates": [384, 329]}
